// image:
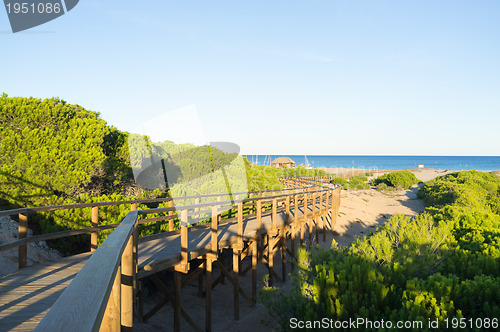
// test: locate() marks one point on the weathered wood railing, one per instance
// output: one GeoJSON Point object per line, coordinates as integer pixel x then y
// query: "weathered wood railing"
{"type": "Point", "coordinates": [101, 296]}
{"type": "Point", "coordinates": [23, 214]}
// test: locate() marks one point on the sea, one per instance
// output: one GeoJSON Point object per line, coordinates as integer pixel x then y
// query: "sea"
{"type": "Point", "coordinates": [480, 163]}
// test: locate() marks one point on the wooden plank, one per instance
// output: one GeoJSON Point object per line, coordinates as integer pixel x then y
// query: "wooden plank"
{"type": "Point", "coordinates": [22, 233]}
{"type": "Point", "coordinates": [111, 320]}
{"type": "Point", "coordinates": [95, 280]}
{"type": "Point", "coordinates": [171, 214]}
{"type": "Point", "coordinates": [95, 223]}
{"type": "Point", "coordinates": [236, 297]}
{"type": "Point", "coordinates": [127, 283]}
{"type": "Point", "coordinates": [208, 295]}
{"type": "Point", "coordinates": [254, 272]}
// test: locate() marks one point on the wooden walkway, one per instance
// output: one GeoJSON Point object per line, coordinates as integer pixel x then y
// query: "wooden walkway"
{"type": "Point", "coordinates": [163, 253]}
{"type": "Point", "coordinates": [28, 294]}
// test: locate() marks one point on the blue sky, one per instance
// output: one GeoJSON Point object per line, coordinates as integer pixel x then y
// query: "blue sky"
{"type": "Point", "coordinates": [278, 77]}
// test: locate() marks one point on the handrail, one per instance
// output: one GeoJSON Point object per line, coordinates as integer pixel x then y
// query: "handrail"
{"type": "Point", "coordinates": [101, 294]}
{"type": "Point", "coordinates": [136, 201]}
{"type": "Point", "coordinates": [82, 305]}
{"type": "Point", "coordinates": [23, 239]}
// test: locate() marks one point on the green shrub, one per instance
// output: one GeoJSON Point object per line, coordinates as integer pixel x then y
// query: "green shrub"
{"type": "Point", "coordinates": [360, 177]}
{"type": "Point", "coordinates": [441, 264]}
{"type": "Point", "coordinates": [339, 180]}
{"type": "Point", "coordinates": [382, 186]}
{"type": "Point", "coordinates": [357, 183]}
{"type": "Point", "coordinates": [404, 179]}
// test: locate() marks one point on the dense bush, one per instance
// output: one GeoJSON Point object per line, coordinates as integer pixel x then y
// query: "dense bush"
{"type": "Point", "coordinates": [382, 186]}
{"type": "Point", "coordinates": [404, 179]}
{"type": "Point", "coordinates": [442, 264]}
{"type": "Point", "coordinates": [339, 180]}
{"type": "Point", "coordinates": [357, 183]}
{"type": "Point", "coordinates": [52, 153]}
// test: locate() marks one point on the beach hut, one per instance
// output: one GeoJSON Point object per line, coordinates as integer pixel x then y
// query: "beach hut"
{"type": "Point", "coordinates": [283, 162]}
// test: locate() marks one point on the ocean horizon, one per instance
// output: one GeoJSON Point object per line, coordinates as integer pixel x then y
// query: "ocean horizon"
{"type": "Point", "coordinates": [480, 163]}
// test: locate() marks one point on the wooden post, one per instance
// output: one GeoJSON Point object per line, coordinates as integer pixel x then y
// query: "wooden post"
{"type": "Point", "coordinates": [135, 254]}
{"type": "Point", "coordinates": [127, 289]}
{"type": "Point", "coordinates": [240, 226]}
{"type": "Point", "coordinates": [208, 292]}
{"type": "Point", "coordinates": [95, 223]}
{"type": "Point", "coordinates": [22, 250]}
{"type": "Point", "coordinates": [275, 207]}
{"type": "Point", "coordinates": [259, 218]}
{"type": "Point", "coordinates": [171, 213]}
{"type": "Point", "coordinates": [214, 241]}
{"type": "Point", "coordinates": [219, 198]}
{"type": "Point", "coordinates": [236, 287]}
{"type": "Point", "coordinates": [111, 319]}
{"type": "Point", "coordinates": [270, 256]}
{"type": "Point", "coordinates": [283, 238]}
{"type": "Point", "coordinates": [183, 266]}
{"type": "Point", "coordinates": [254, 271]}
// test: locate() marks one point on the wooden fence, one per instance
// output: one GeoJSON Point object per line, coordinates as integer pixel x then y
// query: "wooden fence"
{"type": "Point", "coordinates": [102, 295]}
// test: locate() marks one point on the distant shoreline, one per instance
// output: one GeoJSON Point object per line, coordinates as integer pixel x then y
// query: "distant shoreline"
{"type": "Point", "coordinates": [392, 163]}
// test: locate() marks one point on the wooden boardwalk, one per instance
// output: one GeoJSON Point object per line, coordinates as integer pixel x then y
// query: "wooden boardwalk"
{"type": "Point", "coordinates": [28, 294]}
{"type": "Point", "coordinates": [162, 253]}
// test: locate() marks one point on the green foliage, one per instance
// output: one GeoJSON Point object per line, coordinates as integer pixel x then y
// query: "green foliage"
{"type": "Point", "coordinates": [47, 148]}
{"type": "Point", "coordinates": [443, 263]}
{"type": "Point", "coordinates": [263, 177]}
{"type": "Point", "coordinates": [301, 171]}
{"type": "Point", "coordinates": [404, 179]}
{"type": "Point", "coordinates": [54, 153]}
{"type": "Point", "coordinates": [382, 186]}
{"type": "Point", "coordinates": [357, 183]}
{"type": "Point", "coordinates": [339, 180]}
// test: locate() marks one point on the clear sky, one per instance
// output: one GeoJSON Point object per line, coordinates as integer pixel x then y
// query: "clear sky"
{"type": "Point", "coordinates": [278, 77]}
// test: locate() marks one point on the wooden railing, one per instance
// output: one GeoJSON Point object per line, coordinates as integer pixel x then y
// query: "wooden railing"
{"type": "Point", "coordinates": [101, 296]}
{"type": "Point", "coordinates": [23, 214]}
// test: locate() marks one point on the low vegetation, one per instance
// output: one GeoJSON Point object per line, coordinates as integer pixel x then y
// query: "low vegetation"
{"type": "Point", "coordinates": [440, 265]}
{"type": "Point", "coordinates": [357, 182]}
{"type": "Point", "coordinates": [402, 180]}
